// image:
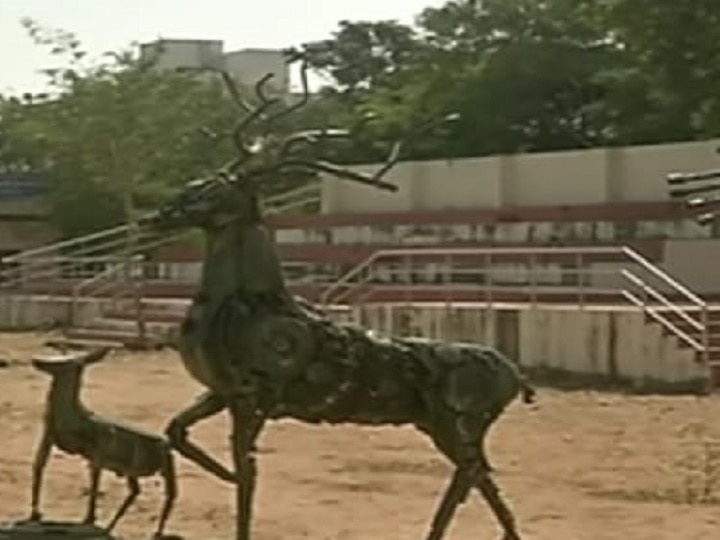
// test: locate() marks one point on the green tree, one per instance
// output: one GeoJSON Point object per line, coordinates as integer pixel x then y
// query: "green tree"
{"type": "Point", "coordinates": [536, 76]}
{"type": "Point", "coordinates": [665, 87]}
{"type": "Point", "coordinates": [362, 55]}
{"type": "Point", "coordinates": [114, 135]}
{"type": "Point", "coordinates": [524, 75]}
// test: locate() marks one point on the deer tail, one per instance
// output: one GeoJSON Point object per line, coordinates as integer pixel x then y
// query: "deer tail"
{"type": "Point", "coordinates": [528, 393]}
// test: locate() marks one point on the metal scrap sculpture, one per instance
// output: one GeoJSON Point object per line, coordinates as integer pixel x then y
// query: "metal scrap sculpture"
{"type": "Point", "coordinates": [693, 195]}
{"type": "Point", "coordinates": [104, 444]}
{"type": "Point", "coordinates": [264, 354]}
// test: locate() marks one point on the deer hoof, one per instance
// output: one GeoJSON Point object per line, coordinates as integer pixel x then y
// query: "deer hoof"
{"type": "Point", "coordinates": [35, 516]}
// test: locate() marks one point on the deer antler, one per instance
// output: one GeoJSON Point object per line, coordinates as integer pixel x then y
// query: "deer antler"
{"type": "Point", "coordinates": [284, 162]}
{"type": "Point", "coordinates": [243, 123]}
{"type": "Point", "coordinates": [374, 179]}
{"type": "Point", "coordinates": [304, 66]}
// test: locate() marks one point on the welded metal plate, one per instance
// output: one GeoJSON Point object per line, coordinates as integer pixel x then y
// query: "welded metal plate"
{"type": "Point", "coordinates": [51, 530]}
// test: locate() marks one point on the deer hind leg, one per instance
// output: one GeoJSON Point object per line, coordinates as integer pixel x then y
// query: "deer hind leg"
{"type": "Point", "coordinates": [167, 471]}
{"type": "Point", "coordinates": [446, 431]}
{"type": "Point", "coordinates": [95, 472]}
{"type": "Point", "coordinates": [491, 493]}
{"type": "Point", "coordinates": [461, 438]}
{"type": "Point", "coordinates": [133, 492]}
{"type": "Point", "coordinates": [488, 488]}
{"type": "Point", "coordinates": [454, 496]}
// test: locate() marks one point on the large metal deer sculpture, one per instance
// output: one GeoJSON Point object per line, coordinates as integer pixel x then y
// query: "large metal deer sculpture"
{"type": "Point", "coordinates": [263, 354]}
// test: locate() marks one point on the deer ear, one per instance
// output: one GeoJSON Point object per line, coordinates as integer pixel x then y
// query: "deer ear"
{"type": "Point", "coordinates": [94, 356]}
{"type": "Point", "coordinates": [50, 364]}
{"type": "Point", "coordinates": [42, 365]}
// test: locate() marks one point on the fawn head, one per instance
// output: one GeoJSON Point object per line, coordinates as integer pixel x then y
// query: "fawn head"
{"type": "Point", "coordinates": [68, 363]}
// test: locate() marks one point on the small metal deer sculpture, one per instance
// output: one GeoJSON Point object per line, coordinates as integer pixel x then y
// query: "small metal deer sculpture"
{"type": "Point", "coordinates": [105, 444]}
{"type": "Point", "coordinates": [264, 355]}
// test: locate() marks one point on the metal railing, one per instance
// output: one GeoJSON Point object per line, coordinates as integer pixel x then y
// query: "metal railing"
{"type": "Point", "coordinates": [120, 282]}
{"type": "Point", "coordinates": [628, 275]}
{"type": "Point", "coordinates": [87, 256]}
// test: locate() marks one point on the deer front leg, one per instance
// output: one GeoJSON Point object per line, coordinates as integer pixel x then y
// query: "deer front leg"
{"type": "Point", "coordinates": [92, 498]}
{"type": "Point", "coordinates": [207, 405]}
{"type": "Point", "coordinates": [167, 471]}
{"type": "Point", "coordinates": [41, 458]}
{"type": "Point", "coordinates": [246, 426]}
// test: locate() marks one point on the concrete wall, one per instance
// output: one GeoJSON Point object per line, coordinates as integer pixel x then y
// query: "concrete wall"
{"type": "Point", "coordinates": [572, 177]}
{"type": "Point", "coordinates": [32, 312]}
{"type": "Point", "coordinates": [606, 345]}
{"type": "Point", "coordinates": [695, 263]}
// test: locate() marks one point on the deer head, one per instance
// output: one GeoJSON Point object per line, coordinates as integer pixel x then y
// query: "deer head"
{"type": "Point", "coordinates": [56, 365]}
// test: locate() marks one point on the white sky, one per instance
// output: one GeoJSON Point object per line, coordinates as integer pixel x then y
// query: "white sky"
{"type": "Point", "coordinates": [108, 25]}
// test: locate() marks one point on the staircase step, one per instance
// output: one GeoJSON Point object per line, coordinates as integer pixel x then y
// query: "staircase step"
{"type": "Point", "coordinates": [129, 325]}
{"type": "Point", "coordinates": [82, 344]}
{"type": "Point", "coordinates": [713, 341]}
{"type": "Point", "coordinates": [129, 340]}
{"type": "Point", "coordinates": [149, 316]}
{"type": "Point", "coordinates": [715, 375]}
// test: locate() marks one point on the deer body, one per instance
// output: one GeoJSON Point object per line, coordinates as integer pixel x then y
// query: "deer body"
{"type": "Point", "coordinates": [263, 355]}
{"type": "Point", "coordinates": [124, 450]}
{"type": "Point", "coordinates": [105, 444]}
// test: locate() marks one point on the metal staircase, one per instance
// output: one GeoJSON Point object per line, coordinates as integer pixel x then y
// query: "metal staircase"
{"type": "Point", "coordinates": [108, 270]}
{"type": "Point", "coordinates": [105, 279]}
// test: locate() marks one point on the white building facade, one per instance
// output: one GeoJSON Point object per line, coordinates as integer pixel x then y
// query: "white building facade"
{"type": "Point", "coordinates": [246, 65]}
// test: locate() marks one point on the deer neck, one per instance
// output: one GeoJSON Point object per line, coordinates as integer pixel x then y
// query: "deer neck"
{"type": "Point", "coordinates": [64, 399]}
{"type": "Point", "coordinates": [240, 260]}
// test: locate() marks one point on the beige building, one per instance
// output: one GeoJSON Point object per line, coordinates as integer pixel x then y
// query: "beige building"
{"type": "Point", "coordinates": [23, 214]}
{"type": "Point", "coordinates": [246, 65]}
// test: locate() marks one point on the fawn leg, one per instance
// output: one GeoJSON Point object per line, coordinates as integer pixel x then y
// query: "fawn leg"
{"type": "Point", "coordinates": [246, 428]}
{"type": "Point", "coordinates": [92, 497]}
{"type": "Point", "coordinates": [41, 458]}
{"type": "Point", "coordinates": [133, 492]}
{"type": "Point", "coordinates": [207, 405]}
{"type": "Point", "coordinates": [167, 471]}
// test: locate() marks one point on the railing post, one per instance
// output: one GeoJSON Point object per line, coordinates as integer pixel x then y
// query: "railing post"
{"type": "Point", "coordinates": [407, 273]}
{"type": "Point", "coordinates": [705, 337]}
{"type": "Point", "coordinates": [489, 280]}
{"type": "Point", "coordinates": [140, 310]}
{"type": "Point", "coordinates": [580, 274]}
{"type": "Point", "coordinates": [532, 268]}
{"type": "Point", "coordinates": [448, 281]}
{"type": "Point", "coordinates": [74, 307]}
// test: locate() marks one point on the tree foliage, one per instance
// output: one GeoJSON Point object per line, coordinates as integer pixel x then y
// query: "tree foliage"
{"type": "Point", "coordinates": [113, 136]}
{"type": "Point", "coordinates": [530, 75]}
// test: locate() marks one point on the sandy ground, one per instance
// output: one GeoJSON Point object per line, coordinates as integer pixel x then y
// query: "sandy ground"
{"type": "Point", "coordinates": [578, 466]}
